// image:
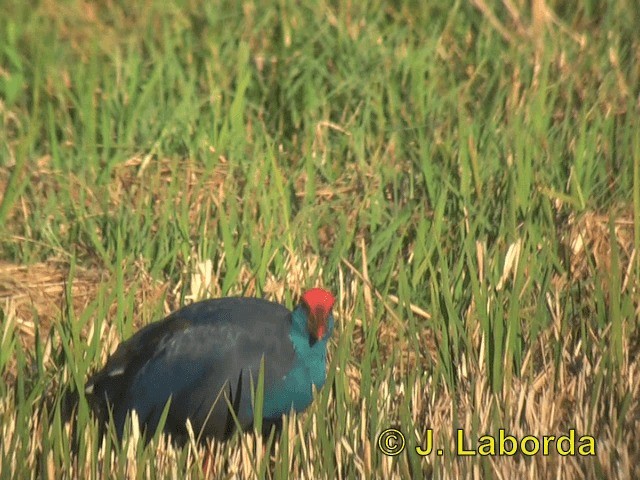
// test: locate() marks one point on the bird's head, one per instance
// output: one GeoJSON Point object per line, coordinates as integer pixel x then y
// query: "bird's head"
{"type": "Point", "coordinates": [317, 304]}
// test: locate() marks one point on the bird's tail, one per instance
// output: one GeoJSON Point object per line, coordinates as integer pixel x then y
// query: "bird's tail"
{"type": "Point", "coordinates": [69, 405]}
{"type": "Point", "coordinates": [69, 402]}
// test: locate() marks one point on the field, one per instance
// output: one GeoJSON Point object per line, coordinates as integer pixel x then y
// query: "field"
{"type": "Point", "coordinates": [463, 176]}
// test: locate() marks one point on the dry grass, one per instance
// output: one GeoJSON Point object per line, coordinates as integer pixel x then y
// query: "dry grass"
{"type": "Point", "coordinates": [37, 293]}
{"type": "Point", "coordinates": [550, 397]}
{"type": "Point", "coordinates": [346, 127]}
{"type": "Point", "coordinates": [589, 241]}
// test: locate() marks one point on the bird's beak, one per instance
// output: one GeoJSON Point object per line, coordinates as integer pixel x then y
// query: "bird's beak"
{"type": "Point", "coordinates": [317, 324]}
{"type": "Point", "coordinates": [322, 329]}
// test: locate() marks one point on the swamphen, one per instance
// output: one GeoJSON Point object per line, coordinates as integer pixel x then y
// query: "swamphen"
{"type": "Point", "coordinates": [211, 349]}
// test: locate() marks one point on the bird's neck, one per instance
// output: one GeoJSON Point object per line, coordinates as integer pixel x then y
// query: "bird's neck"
{"type": "Point", "coordinates": [308, 370]}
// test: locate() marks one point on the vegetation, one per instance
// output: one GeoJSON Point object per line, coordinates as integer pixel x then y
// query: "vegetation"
{"type": "Point", "coordinates": [464, 176]}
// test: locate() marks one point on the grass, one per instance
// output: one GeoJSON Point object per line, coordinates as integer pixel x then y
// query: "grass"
{"type": "Point", "coordinates": [465, 177]}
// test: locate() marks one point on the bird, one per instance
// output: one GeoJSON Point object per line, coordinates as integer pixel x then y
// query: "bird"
{"type": "Point", "coordinates": [204, 360]}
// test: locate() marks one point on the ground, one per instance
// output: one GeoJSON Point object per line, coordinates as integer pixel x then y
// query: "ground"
{"type": "Point", "coordinates": [464, 177]}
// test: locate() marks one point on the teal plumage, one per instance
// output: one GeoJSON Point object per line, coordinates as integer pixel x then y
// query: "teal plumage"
{"type": "Point", "coordinates": [213, 349]}
{"type": "Point", "coordinates": [309, 368]}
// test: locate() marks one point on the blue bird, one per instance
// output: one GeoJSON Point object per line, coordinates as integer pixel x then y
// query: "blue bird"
{"type": "Point", "coordinates": [206, 357]}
